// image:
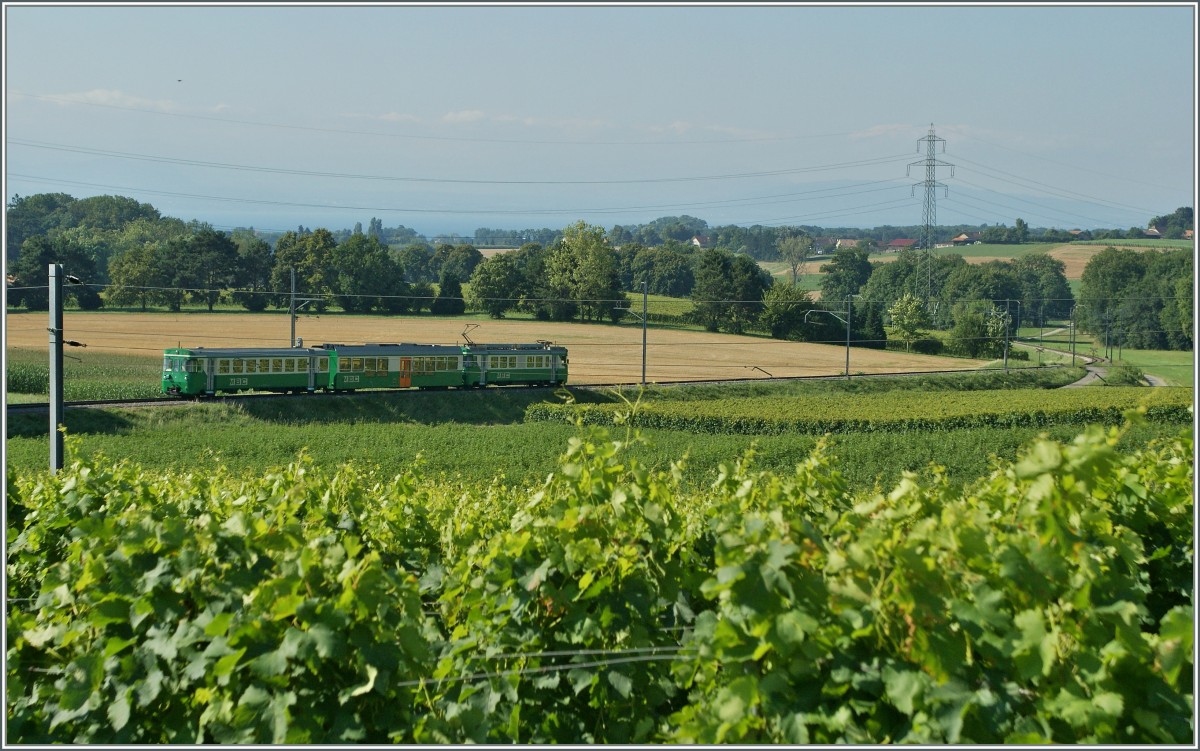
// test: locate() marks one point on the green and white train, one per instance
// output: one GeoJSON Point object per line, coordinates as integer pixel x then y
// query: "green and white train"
{"type": "Point", "coordinates": [201, 371]}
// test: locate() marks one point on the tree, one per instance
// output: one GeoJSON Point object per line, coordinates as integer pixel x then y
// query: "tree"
{"type": "Point", "coordinates": [375, 229]}
{"type": "Point", "coordinates": [1045, 291]}
{"type": "Point", "coordinates": [139, 269]}
{"type": "Point", "coordinates": [1107, 278]}
{"type": "Point", "coordinates": [597, 280]}
{"type": "Point", "coordinates": [254, 262]}
{"type": "Point", "coordinates": [729, 289]}
{"type": "Point", "coordinates": [459, 260]}
{"type": "Point", "coordinates": [530, 263]}
{"type": "Point", "coordinates": [975, 333]}
{"type": "Point", "coordinates": [449, 300]}
{"type": "Point", "coordinates": [27, 216]}
{"type": "Point", "coordinates": [32, 267]}
{"type": "Point", "coordinates": [665, 271]}
{"type": "Point", "coordinates": [847, 272]}
{"type": "Point", "coordinates": [365, 276]}
{"type": "Point", "coordinates": [784, 308]}
{"type": "Point", "coordinates": [209, 261]}
{"type": "Point", "coordinates": [494, 286]}
{"type": "Point", "coordinates": [994, 280]}
{"type": "Point", "coordinates": [310, 254]}
{"type": "Point", "coordinates": [415, 259]}
{"type": "Point", "coordinates": [908, 318]}
{"type": "Point", "coordinates": [1172, 225]}
{"type": "Point", "coordinates": [44, 213]}
{"type": "Point", "coordinates": [711, 292]}
{"type": "Point", "coordinates": [1020, 232]}
{"type": "Point", "coordinates": [749, 282]}
{"type": "Point", "coordinates": [795, 248]}
{"type": "Point", "coordinates": [867, 326]}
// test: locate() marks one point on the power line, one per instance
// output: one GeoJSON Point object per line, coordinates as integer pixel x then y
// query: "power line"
{"type": "Point", "coordinates": [391, 178]}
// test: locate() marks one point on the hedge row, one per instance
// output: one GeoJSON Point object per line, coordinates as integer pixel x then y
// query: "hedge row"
{"type": "Point", "coordinates": [846, 413]}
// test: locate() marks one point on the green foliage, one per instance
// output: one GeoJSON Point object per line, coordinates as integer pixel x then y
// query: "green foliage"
{"type": "Point", "coordinates": [1139, 299]}
{"type": "Point", "coordinates": [908, 316]}
{"type": "Point", "coordinates": [449, 300]}
{"type": "Point", "coordinates": [28, 378]}
{"type": "Point", "coordinates": [184, 610]}
{"type": "Point", "coordinates": [818, 414]}
{"type": "Point", "coordinates": [1050, 601]}
{"type": "Point", "coordinates": [86, 376]}
{"type": "Point", "coordinates": [494, 286]}
{"type": "Point", "coordinates": [1012, 613]}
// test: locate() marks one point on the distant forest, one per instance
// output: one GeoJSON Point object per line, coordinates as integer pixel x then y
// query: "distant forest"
{"type": "Point", "coordinates": [129, 255]}
{"type": "Point", "coordinates": [38, 214]}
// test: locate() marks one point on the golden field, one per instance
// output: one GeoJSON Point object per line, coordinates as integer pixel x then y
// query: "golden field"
{"type": "Point", "coordinates": [600, 353]}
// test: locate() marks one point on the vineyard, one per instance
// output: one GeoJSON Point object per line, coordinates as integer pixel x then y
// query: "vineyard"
{"type": "Point", "coordinates": [817, 414]}
{"type": "Point", "coordinates": [1048, 601]}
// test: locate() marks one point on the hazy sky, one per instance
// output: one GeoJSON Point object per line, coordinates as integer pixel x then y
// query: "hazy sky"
{"type": "Point", "coordinates": [452, 118]}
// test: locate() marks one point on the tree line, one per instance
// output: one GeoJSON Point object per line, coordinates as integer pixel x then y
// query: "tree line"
{"type": "Point", "coordinates": [142, 259]}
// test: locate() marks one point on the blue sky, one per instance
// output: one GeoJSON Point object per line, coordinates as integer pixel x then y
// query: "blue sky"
{"type": "Point", "coordinates": [445, 119]}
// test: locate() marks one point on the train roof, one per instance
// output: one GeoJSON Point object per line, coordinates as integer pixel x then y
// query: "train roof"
{"type": "Point", "coordinates": [376, 349]}
{"type": "Point", "coordinates": [526, 347]}
{"type": "Point", "coordinates": [244, 351]}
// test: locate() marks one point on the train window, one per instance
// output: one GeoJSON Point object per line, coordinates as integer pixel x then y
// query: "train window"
{"type": "Point", "coordinates": [223, 367]}
{"type": "Point", "coordinates": [193, 366]}
{"type": "Point", "coordinates": [301, 365]}
{"type": "Point", "coordinates": [322, 364]}
{"type": "Point", "coordinates": [289, 365]}
{"type": "Point", "coordinates": [277, 365]}
{"type": "Point", "coordinates": [382, 367]}
{"type": "Point", "coordinates": [252, 366]}
{"type": "Point", "coordinates": [356, 365]}
{"type": "Point", "coordinates": [264, 365]}
{"type": "Point", "coordinates": [236, 366]}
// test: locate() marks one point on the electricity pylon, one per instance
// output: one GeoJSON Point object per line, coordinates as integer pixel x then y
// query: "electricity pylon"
{"type": "Point", "coordinates": [929, 216]}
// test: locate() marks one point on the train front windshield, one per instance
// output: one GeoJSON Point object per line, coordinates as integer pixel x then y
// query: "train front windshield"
{"type": "Point", "coordinates": [181, 365]}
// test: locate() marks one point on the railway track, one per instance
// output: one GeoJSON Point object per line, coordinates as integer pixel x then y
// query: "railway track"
{"type": "Point", "coordinates": [36, 407]}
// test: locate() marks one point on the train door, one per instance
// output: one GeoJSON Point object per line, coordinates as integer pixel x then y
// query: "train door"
{"type": "Point", "coordinates": [405, 372]}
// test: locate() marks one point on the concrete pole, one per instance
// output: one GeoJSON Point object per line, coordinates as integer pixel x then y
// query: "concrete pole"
{"type": "Point", "coordinates": [292, 310]}
{"type": "Point", "coordinates": [645, 287]}
{"type": "Point", "coordinates": [56, 367]}
{"type": "Point", "coordinates": [848, 314]}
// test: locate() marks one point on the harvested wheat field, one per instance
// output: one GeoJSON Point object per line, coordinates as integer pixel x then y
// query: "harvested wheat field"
{"type": "Point", "coordinates": [1076, 257]}
{"type": "Point", "coordinates": [600, 354]}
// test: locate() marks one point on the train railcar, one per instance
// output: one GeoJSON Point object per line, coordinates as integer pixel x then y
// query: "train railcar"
{"type": "Point", "coordinates": [378, 366]}
{"type": "Point", "coordinates": [203, 371]}
{"type": "Point", "coordinates": [514, 364]}
{"type": "Point", "coordinates": [200, 371]}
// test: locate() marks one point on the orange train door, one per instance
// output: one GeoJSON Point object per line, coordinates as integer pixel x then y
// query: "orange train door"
{"type": "Point", "coordinates": [405, 372]}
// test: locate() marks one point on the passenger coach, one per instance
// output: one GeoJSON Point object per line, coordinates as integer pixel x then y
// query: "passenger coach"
{"type": "Point", "coordinates": [201, 370]}
{"type": "Point", "coordinates": [348, 367]}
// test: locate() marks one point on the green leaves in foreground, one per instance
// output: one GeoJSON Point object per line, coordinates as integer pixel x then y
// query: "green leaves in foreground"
{"type": "Point", "coordinates": [1050, 601]}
